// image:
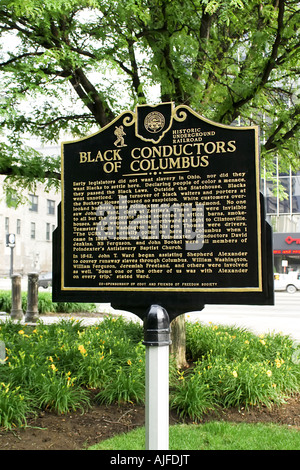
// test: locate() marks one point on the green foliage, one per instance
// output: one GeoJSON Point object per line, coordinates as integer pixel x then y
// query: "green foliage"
{"type": "Point", "coordinates": [57, 366]}
{"type": "Point", "coordinates": [58, 392]}
{"type": "Point", "coordinates": [192, 396]}
{"type": "Point", "coordinates": [61, 62]}
{"type": "Point", "coordinates": [235, 368]}
{"type": "Point", "coordinates": [26, 168]}
{"type": "Point", "coordinates": [127, 384]}
{"type": "Point", "coordinates": [14, 407]}
{"type": "Point", "coordinates": [45, 304]}
{"type": "Point", "coordinates": [5, 301]}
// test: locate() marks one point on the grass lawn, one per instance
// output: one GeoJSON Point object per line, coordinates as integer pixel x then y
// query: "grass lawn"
{"type": "Point", "coordinates": [58, 367]}
{"type": "Point", "coordinates": [213, 436]}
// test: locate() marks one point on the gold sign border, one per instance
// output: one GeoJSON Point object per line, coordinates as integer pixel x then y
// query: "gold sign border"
{"type": "Point", "coordinates": [179, 114]}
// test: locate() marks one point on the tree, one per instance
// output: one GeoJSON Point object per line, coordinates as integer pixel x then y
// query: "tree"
{"type": "Point", "coordinates": [73, 65]}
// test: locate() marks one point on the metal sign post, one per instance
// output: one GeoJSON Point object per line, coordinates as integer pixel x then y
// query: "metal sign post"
{"type": "Point", "coordinates": [11, 243]}
{"type": "Point", "coordinates": [157, 342]}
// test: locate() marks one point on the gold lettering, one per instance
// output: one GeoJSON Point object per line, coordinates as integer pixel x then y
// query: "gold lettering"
{"type": "Point", "coordinates": [110, 167]}
{"type": "Point", "coordinates": [169, 148]}
{"type": "Point", "coordinates": [210, 144]}
{"type": "Point", "coordinates": [99, 156]}
{"type": "Point", "coordinates": [231, 146]}
{"type": "Point", "coordinates": [106, 157]}
{"type": "Point", "coordinates": [185, 151]}
{"type": "Point", "coordinates": [117, 156]}
{"type": "Point", "coordinates": [204, 160]}
{"type": "Point", "coordinates": [185, 162]}
{"type": "Point", "coordinates": [89, 160]}
{"type": "Point", "coordinates": [146, 152]}
{"type": "Point", "coordinates": [82, 157]}
{"type": "Point", "coordinates": [133, 153]}
{"type": "Point", "coordinates": [221, 147]}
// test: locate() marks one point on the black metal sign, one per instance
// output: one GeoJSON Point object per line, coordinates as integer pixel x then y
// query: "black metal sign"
{"type": "Point", "coordinates": [163, 206]}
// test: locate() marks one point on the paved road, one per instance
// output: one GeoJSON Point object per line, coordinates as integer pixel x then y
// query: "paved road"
{"type": "Point", "coordinates": [283, 317]}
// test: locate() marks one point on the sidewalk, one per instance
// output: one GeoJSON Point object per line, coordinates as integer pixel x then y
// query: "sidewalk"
{"type": "Point", "coordinates": [283, 317]}
{"type": "Point", "coordinates": [86, 319]}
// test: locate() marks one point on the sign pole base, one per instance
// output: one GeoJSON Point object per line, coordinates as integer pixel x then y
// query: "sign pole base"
{"type": "Point", "coordinates": [157, 342]}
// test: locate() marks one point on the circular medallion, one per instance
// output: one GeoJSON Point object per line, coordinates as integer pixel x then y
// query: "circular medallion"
{"type": "Point", "coordinates": [154, 122]}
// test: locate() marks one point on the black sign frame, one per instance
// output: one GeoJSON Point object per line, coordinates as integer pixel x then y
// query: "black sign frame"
{"type": "Point", "coordinates": [219, 166]}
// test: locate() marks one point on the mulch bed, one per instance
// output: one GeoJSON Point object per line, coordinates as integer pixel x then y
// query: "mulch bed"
{"type": "Point", "coordinates": [77, 431]}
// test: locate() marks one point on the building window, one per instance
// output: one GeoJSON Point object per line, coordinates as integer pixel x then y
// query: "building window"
{"type": "Point", "coordinates": [32, 230]}
{"type": "Point", "coordinates": [283, 193]}
{"type": "Point", "coordinates": [295, 194]}
{"type": "Point", "coordinates": [271, 198]}
{"type": "Point", "coordinates": [11, 200]}
{"type": "Point", "coordinates": [6, 224]}
{"type": "Point", "coordinates": [284, 204]}
{"type": "Point", "coordinates": [50, 207]}
{"type": "Point", "coordinates": [47, 231]}
{"type": "Point", "coordinates": [33, 203]}
{"type": "Point", "coordinates": [18, 226]}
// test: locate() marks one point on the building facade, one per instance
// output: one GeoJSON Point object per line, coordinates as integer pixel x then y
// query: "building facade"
{"type": "Point", "coordinates": [32, 224]}
{"type": "Point", "coordinates": [282, 197]}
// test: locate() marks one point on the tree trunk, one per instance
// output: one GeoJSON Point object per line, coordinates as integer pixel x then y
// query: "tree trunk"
{"type": "Point", "coordinates": [178, 338]}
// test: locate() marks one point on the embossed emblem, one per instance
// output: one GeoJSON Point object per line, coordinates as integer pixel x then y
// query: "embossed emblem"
{"type": "Point", "coordinates": [154, 122]}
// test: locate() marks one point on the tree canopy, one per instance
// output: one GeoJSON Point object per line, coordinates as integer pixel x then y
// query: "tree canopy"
{"type": "Point", "coordinates": [71, 66]}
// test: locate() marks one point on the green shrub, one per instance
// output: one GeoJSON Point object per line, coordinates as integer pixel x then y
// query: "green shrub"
{"type": "Point", "coordinates": [238, 368]}
{"type": "Point", "coordinates": [232, 342]}
{"type": "Point", "coordinates": [191, 396]}
{"type": "Point", "coordinates": [45, 304]}
{"type": "Point", "coordinates": [5, 301]}
{"type": "Point", "coordinates": [14, 407]}
{"type": "Point", "coordinates": [59, 392]}
{"type": "Point", "coordinates": [127, 380]}
{"type": "Point", "coordinates": [55, 366]}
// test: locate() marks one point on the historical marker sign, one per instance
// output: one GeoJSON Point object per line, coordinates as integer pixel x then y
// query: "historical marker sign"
{"type": "Point", "coordinates": [163, 206]}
